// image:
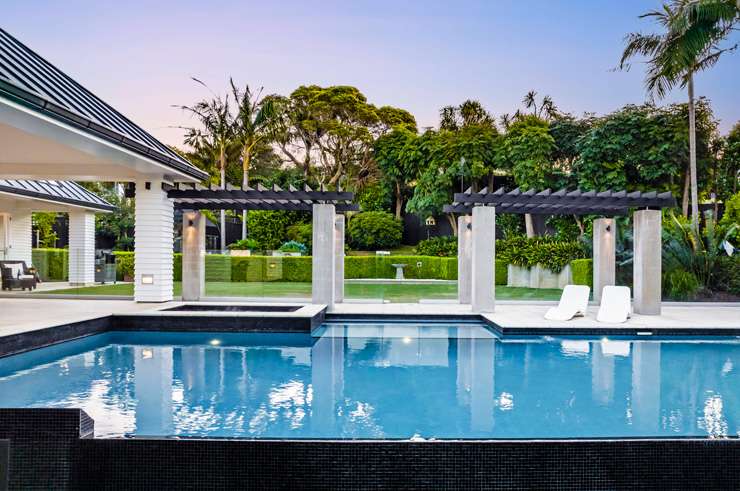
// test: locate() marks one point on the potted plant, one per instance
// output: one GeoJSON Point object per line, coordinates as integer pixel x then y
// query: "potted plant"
{"type": "Point", "coordinates": [243, 247]}
{"type": "Point", "coordinates": [291, 248]}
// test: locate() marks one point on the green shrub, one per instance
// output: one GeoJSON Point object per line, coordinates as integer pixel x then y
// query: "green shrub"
{"type": "Point", "coordinates": [51, 264]}
{"type": "Point", "coordinates": [726, 277]}
{"type": "Point", "coordinates": [177, 267]}
{"type": "Point", "coordinates": [301, 232]}
{"type": "Point", "coordinates": [269, 228]}
{"type": "Point", "coordinates": [551, 253]}
{"type": "Point", "coordinates": [372, 230]}
{"type": "Point", "coordinates": [731, 215]}
{"type": "Point", "coordinates": [680, 285]}
{"type": "Point", "coordinates": [248, 244]}
{"type": "Point", "coordinates": [445, 246]}
{"type": "Point", "coordinates": [297, 269]}
{"type": "Point", "coordinates": [502, 272]}
{"type": "Point", "coordinates": [358, 267]}
{"type": "Point", "coordinates": [582, 271]}
{"type": "Point", "coordinates": [294, 246]}
{"type": "Point", "coordinates": [377, 197]}
{"type": "Point", "coordinates": [124, 264]}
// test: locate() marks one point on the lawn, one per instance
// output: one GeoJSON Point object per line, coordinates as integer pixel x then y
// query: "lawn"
{"type": "Point", "coordinates": [394, 292]}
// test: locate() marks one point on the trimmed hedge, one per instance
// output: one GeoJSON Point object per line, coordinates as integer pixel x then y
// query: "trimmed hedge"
{"type": "Point", "coordinates": [124, 264]}
{"type": "Point", "coordinates": [582, 271]}
{"type": "Point", "coordinates": [51, 264]}
{"type": "Point", "coordinates": [502, 272]}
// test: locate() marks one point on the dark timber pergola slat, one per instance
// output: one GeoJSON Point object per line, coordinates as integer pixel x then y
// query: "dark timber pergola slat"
{"type": "Point", "coordinates": [197, 197]}
{"type": "Point", "coordinates": [561, 202]}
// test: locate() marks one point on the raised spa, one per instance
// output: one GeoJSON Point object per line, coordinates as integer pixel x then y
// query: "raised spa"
{"type": "Point", "coordinates": [358, 379]}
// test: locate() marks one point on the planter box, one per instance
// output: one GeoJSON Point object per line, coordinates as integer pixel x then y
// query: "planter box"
{"type": "Point", "coordinates": [538, 277]}
{"type": "Point", "coordinates": [240, 253]}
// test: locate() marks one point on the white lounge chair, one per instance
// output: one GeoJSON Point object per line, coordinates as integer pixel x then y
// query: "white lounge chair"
{"type": "Point", "coordinates": [615, 305]}
{"type": "Point", "coordinates": [573, 302]}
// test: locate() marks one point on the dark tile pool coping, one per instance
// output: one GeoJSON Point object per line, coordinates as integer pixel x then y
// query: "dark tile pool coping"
{"type": "Point", "coordinates": [54, 449]}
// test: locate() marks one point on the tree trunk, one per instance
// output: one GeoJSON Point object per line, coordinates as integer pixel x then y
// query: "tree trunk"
{"type": "Point", "coordinates": [399, 200]}
{"type": "Point", "coordinates": [223, 212]}
{"type": "Point", "coordinates": [529, 225]}
{"type": "Point", "coordinates": [685, 199]}
{"type": "Point", "coordinates": [453, 222]}
{"type": "Point", "coordinates": [490, 182]}
{"type": "Point", "coordinates": [692, 157]}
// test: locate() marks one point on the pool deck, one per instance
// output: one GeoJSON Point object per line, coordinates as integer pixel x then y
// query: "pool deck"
{"type": "Point", "coordinates": [19, 315]}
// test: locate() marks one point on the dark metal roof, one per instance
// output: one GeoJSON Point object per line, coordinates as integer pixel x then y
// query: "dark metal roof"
{"type": "Point", "coordinates": [66, 192]}
{"type": "Point", "coordinates": [197, 197]}
{"type": "Point", "coordinates": [562, 202]}
{"type": "Point", "coordinates": [27, 78]}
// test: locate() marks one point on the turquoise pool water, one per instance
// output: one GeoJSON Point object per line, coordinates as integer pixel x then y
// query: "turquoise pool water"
{"type": "Point", "coordinates": [366, 380]}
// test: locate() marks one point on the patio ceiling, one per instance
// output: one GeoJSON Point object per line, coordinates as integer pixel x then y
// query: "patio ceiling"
{"type": "Point", "coordinates": [561, 202]}
{"type": "Point", "coordinates": [52, 126]}
{"type": "Point", "coordinates": [196, 197]}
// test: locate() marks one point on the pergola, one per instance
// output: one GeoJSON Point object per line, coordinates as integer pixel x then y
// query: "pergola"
{"type": "Point", "coordinates": [476, 237]}
{"type": "Point", "coordinates": [327, 278]}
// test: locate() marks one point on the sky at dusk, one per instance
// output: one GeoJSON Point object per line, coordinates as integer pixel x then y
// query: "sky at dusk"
{"type": "Point", "coordinates": [418, 55]}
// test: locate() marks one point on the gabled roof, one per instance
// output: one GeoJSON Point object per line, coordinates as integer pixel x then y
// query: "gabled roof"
{"type": "Point", "coordinates": [27, 78]}
{"type": "Point", "coordinates": [66, 192]}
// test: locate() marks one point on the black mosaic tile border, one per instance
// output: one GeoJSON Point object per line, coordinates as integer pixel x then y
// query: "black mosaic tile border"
{"type": "Point", "coordinates": [40, 338]}
{"type": "Point", "coordinates": [195, 323]}
{"type": "Point", "coordinates": [281, 464]}
{"type": "Point", "coordinates": [4, 464]}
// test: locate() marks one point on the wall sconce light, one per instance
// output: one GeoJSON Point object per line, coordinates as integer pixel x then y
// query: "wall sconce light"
{"type": "Point", "coordinates": [608, 228]}
{"type": "Point", "coordinates": [147, 279]}
{"type": "Point", "coordinates": [273, 265]}
{"type": "Point", "coordinates": [190, 223]}
{"type": "Point", "coordinates": [469, 226]}
{"type": "Point", "coordinates": [430, 222]}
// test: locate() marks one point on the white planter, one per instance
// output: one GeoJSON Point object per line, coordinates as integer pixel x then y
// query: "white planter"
{"type": "Point", "coordinates": [538, 277]}
{"type": "Point", "coordinates": [239, 253]}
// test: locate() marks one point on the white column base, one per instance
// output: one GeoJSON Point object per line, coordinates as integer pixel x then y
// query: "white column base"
{"type": "Point", "coordinates": [153, 275]}
{"type": "Point", "coordinates": [81, 248]}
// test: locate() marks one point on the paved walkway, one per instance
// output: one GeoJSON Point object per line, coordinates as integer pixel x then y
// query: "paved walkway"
{"type": "Point", "coordinates": [26, 314]}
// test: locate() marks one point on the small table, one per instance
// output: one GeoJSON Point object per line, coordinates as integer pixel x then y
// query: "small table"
{"type": "Point", "coordinates": [399, 270]}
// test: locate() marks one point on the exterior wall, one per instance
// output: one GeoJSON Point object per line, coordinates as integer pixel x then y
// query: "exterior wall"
{"type": "Point", "coordinates": [20, 236]}
{"type": "Point", "coordinates": [81, 247]}
{"type": "Point", "coordinates": [154, 243]}
{"type": "Point", "coordinates": [4, 235]}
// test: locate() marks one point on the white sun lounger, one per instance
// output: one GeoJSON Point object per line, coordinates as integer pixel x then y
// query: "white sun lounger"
{"type": "Point", "coordinates": [615, 305]}
{"type": "Point", "coordinates": [573, 302]}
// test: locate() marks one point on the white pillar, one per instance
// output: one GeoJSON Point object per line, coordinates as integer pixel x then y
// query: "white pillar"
{"type": "Point", "coordinates": [483, 275]}
{"type": "Point", "coordinates": [604, 261]}
{"type": "Point", "coordinates": [193, 255]}
{"type": "Point", "coordinates": [323, 260]}
{"type": "Point", "coordinates": [19, 236]}
{"type": "Point", "coordinates": [647, 261]}
{"type": "Point", "coordinates": [153, 280]}
{"type": "Point", "coordinates": [339, 258]}
{"type": "Point", "coordinates": [81, 247]}
{"type": "Point", "coordinates": [464, 258]}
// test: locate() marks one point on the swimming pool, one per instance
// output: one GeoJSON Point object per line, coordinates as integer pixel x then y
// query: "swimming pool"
{"type": "Point", "coordinates": [373, 380]}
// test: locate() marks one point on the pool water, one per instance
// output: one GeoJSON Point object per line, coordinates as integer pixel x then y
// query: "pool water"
{"type": "Point", "coordinates": [372, 380]}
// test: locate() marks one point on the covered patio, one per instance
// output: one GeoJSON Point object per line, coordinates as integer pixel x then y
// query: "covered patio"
{"type": "Point", "coordinates": [20, 198]}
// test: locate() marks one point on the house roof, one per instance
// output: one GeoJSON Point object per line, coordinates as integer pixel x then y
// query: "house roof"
{"type": "Point", "coordinates": [28, 79]}
{"type": "Point", "coordinates": [65, 192]}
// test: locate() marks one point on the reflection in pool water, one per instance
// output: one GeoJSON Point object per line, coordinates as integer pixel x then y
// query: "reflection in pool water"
{"type": "Point", "coordinates": [394, 381]}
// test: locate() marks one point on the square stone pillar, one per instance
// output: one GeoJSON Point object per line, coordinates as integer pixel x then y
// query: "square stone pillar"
{"type": "Point", "coordinates": [153, 275]}
{"type": "Point", "coordinates": [483, 275]}
{"type": "Point", "coordinates": [604, 261]}
{"type": "Point", "coordinates": [464, 258]}
{"type": "Point", "coordinates": [81, 247]}
{"type": "Point", "coordinates": [647, 261]}
{"type": "Point", "coordinates": [323, 255]}
{"type": "Point", "coordinates": [193, 255]}
{"type": "Point", "coordinates": [339, 258]}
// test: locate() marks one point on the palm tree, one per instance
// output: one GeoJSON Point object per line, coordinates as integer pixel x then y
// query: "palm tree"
{"type": "Point", "coordinates": [252, 126]}
{"type": "Point", "coordinates": [690, 43]}
{"type": "Point", "coordinates": [215, 134]}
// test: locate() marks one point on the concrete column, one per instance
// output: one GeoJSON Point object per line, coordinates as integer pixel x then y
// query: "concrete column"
{"type": "Point", "coordinates": [647, 261]}
{"type": "Point", "coordinates": [153, 280]}
{"type": "Point", "coordinates": [81, 247]}
{"type": "Point", "coordinates": [464, 257]}
{"type": "Point", "coordinates": [193, 255]}
{"type": "Point", "coordinates": [19, 236]}
{"type": "Point", "coordinates": [605, 271]}
{"type": "Point", "coordinates": [323, 259]}
{"type": "Point", "coordinates": [339, 258]}
{"type": "Point", "coordinates": [483, 275]}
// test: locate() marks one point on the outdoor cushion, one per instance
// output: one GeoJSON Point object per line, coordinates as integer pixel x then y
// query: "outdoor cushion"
{"type": "Point", "coordinates": [16, 269]}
